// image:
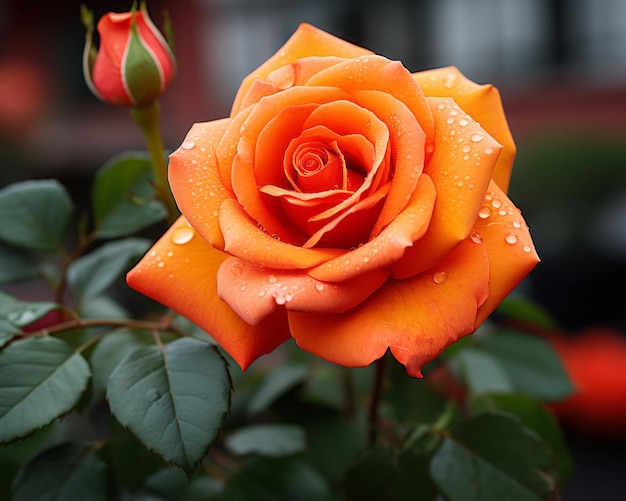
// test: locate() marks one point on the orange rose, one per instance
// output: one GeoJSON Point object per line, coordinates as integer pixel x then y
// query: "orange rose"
{"type": "Point", "coordinates": [346, 203]}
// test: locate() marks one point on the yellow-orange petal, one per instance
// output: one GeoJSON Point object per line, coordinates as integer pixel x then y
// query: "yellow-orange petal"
{"type": "Point", "coordinates": [180, 271]}
{"type": "Point", "coordinates": [509, 245]}
{"type": "Point", "coordinates": [408, 147]}
{"type": "Point", "coordinates": [287, 76]}
{"type": "Point", "coordinates": [307, 41]}
{"type": "Point", "coordinates": [482, 103]}
{"type": "Point", "coordinates": [243, 239]}
{"type": "Point", "coordinates": [195, 180]}
{"type": "Point", "coordinates": [461, 168]}
{"type": "Point", "coordinates": [256, 293]}
{"type": "Point", "coordinates": [379, 74]}
{"type": "Point", "coordinates": [416, 318]}
{"type": "Point", "coordinates": [389, 245]}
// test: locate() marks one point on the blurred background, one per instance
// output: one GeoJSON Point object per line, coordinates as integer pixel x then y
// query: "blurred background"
{"type": "Point", "coordinates": [560, 66]}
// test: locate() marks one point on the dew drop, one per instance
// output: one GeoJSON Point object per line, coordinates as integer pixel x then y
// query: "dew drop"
{"type": "Point", "coordinates": [484, 212]}
{"type": "Point", "coordinates": [450, 121]}
{"type": "Point", "coordinates": [527, 248]}
{"type": "Point", "coordinates": [262, 293]}
{"type": "Point", "coordinates": [272, 279]}
{"type": "Point", "coordinates": [488, 150]}
{"type": "Point", "coordinates": [511, 238]}
{"type": "Point", "coordinates": [517, 224]}
{"type": "Point", "coordinates": [243, 287]}
{"type": "Point", "coordinates": [450, 80]}
{"type": "Point", "coordinates": [280, 300]}
{"type": "Point", "coordinates": [476, 238]}
{"type": "Point", "coordinates": [496, 203]}
{"type": "Point", "coordinates": [440, 277]}
{"type": "Point", "coordinates": [463, 122]}
{"type": "Point", "coordinates": [182, 235]}
{"type": "Point", "coordinates": [476, 138]}
{"type": "Point", "coordinates": [188, 144]}
{"type": "Point", "coordinates": [319, 286]}
{"type": "Point", "coordinates": [441, 106]}
{"type": "Point", "coordinates": [161, 264]}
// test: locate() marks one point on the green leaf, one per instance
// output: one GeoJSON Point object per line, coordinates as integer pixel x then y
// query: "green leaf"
{"type": "Point", "coordinates": [531, 364]}
{"type": "Point", "coordinates": [35, 215]}
{"type": "Point", "coordinates": [278, 382]}
{"type": "Point", "coordinates": [110, 351]}
{"type": "Point", "coordinates": [67, 472]}
{"type": "Point", "coordinates": [174, 398]}
{"type": "Point", "coordinates": [274, 440]}
{"type": "Point", "coordinates": [93, 273]}
{"type": "Point", "coordinates": [535, 417]}
{"type": "Point", "coordinates": [41, 378]}
{"type": "Point", "coordinates": [21, 313]}
{"type": "Point", "coordinates": [15, 265]}
{"type": "Point", "coordinates": [123, 199]}
{"type": "Point", "coordinates": [492, 457]}
{"type": "Point", "coordinates": [7, 332]}
{"type": "Point", "coordinates": [266, 479]}
{"type": "Point", "coordinates": [482, 372]}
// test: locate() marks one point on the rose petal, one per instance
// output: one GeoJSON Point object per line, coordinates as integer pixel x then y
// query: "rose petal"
{"type": "Point", "coordinates": [255, 292]}
{"type": "Point", "coordinates": [461, 168]}
{"type": "Point", "coordinates": [305, 42]}
{"type": "Point", "coordinates": [287, 76]}
{"type": "Point", "coordinates": [243, 239]}
{"type": "Point", "coordinates": [379, 73]}
{"type": "Point", "coordinates": [195, 180]}
{"type": "Point", "coordinates": [482, 103]}
{"type": "Point", "coordinates": [511, 251]}
{"type": "Point", "coordinates": [183, 275]}
{"type": "Point", "coordinates": [416, 318]}
{"type": "Point", "coordinates": [389, 245]}
{"type": "Point", "coordinates": [408, 148]}
{"type": "Point", "coordinates": [245, 183]}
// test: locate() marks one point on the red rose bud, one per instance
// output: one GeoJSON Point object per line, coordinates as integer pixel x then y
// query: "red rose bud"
{"type": "Point", "coordinates": [134, 64]}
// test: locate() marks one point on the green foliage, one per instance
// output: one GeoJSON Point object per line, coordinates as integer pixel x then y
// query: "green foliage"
{"type": "Point", "coordinates": [40, 380]}
{"type": "Point", "coordinates": [162, 393]}
{"type": "Point", "coordinates": [35, 215]}
{"type": "Point", "coordinates": [123, 200]}
{"type": "Point", "coordinates": [63, 473]}
{"type": "Point", "coordinates": [492, 456]}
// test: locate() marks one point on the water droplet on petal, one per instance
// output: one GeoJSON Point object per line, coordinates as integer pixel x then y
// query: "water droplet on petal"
{"type": "Point", "coordinates": [182, 235]}
{"type": "Point", "coordinates": [517, 224]}
{"type": "Point", "coordinates": [262, 293]}
{"type": "Point", "coordinates": [463, 122]}
{"type": "Point", "coordinates": [511, 238]}
{"type": "Point", "coordinates": [272, 279]}
{"type": "Point", "coordinates": [496, 203]}
{"type": "Point", "coordinates": [319, 286]}
{"type": "Point", "coordinates": [476, 238]}
{"type": "Point", "coordinates": [527, 248]}
{"type": "Point", "coordinates": [450, 80]}
{"type": "Point", "coordinates": [243, 288]}
{"type": "Point", "coordinates": [484, 212]}
{"type": "Point", "coordinates": [477, 137]}
{"type": "Point", "coordinates": [440, 277]}
{"type": "Point", "coordinates": [188, 144]}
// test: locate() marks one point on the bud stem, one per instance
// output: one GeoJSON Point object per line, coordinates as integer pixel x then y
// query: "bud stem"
{"type": "Point", "coordinates": [147, 117]}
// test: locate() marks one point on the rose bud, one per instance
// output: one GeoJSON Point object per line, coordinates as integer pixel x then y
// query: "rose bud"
{"type": "Point", "coordinates": [346, 203]}
{"type": "Point", "coordinates": [134, 64]}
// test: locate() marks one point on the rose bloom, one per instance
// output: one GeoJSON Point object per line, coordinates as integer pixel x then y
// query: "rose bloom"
{"type": "Point", "coordinates": [346, 203]}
